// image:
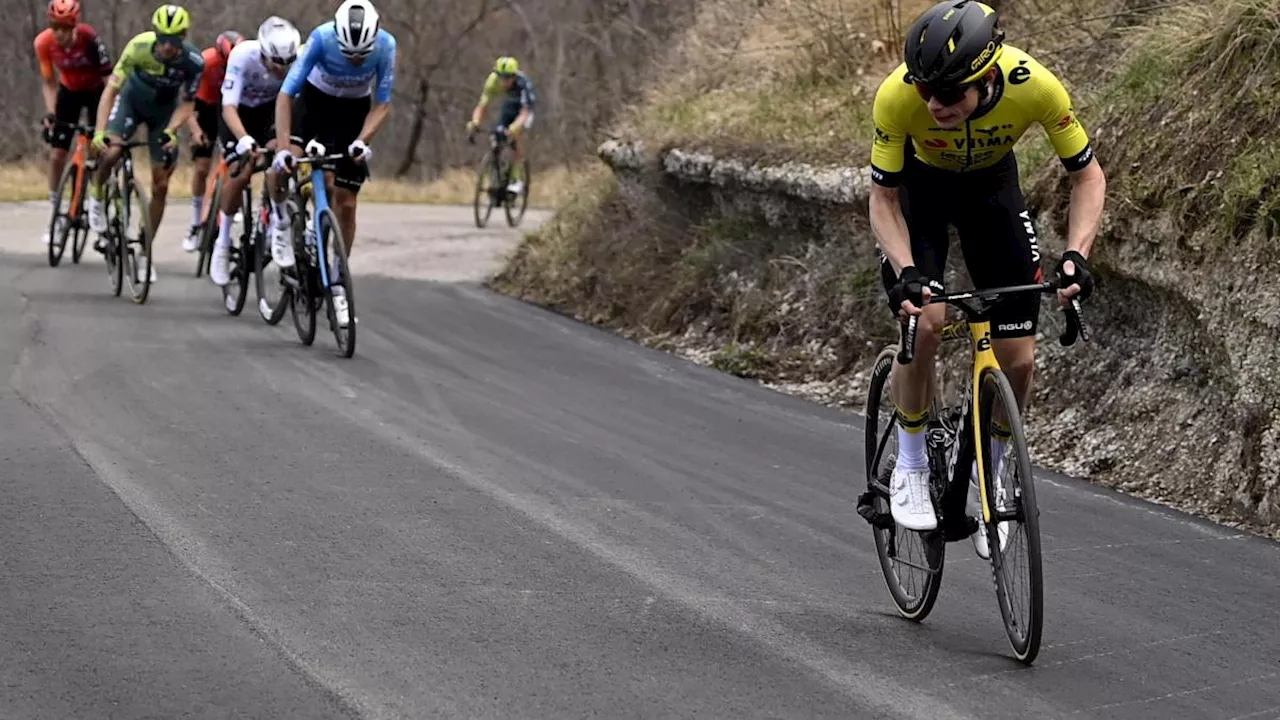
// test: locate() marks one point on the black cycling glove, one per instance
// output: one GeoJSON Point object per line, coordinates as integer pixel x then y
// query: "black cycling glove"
{"type": "Point", "coordinates": [1082, 276]}
{"type": "Point", "coordinates": [910, 286]}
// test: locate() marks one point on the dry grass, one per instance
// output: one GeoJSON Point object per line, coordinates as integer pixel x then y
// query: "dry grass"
{"type": "Point", "coordinates": [789, 80]}
{"type": "Point", "coordinates": [29, 181]}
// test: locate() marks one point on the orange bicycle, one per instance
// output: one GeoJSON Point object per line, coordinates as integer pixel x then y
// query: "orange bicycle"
{"type": "Point", "coordinates": [208, 228]}
{"type": "Point", "coordinates": [69, 218]}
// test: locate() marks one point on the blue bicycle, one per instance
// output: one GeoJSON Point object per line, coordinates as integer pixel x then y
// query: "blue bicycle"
{"type": "Point", "coordinates": [320, 277]}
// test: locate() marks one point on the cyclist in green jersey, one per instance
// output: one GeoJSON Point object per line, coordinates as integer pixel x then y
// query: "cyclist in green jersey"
{"type": "Point", "coordinates": [517, 111]}
{"type": "Point", "coordinates": [154, 84]}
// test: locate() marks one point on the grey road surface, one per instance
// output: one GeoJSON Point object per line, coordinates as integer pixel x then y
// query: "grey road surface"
{"type": "Point", "coordinates": [492, 511]}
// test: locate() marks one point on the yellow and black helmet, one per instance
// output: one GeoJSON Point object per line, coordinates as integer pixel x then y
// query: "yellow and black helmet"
{"type": "Point", "coordinates": [506, 66]}
{"type": "Point", "coordinates": [953, 43]}
{"type": "Point", "coordinates": [170, 20]}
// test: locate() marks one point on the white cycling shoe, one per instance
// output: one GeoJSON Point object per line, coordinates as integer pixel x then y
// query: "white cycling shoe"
{"type": "Point", "coordinates": [909, 500]}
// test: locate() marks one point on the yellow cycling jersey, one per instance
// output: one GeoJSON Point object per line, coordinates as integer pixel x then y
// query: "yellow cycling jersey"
{"type": "Point", "coordinates": [1025, 92]}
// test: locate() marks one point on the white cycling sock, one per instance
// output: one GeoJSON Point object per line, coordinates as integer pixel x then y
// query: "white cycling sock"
{"type": "Point", "coordinates": [197, 204]}
{"type": "Point", "coordinates": [911, 446]}
{"type": "Point", "coordinates": [224, 229]}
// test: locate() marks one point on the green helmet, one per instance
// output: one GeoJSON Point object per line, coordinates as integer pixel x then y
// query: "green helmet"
{"type": "Point", "coordinates": [170, 20]}
{"type": "Point", "coordinates": [506, 66]}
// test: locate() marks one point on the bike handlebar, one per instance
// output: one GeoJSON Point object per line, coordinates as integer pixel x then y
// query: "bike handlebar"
{"type": "Point", "coordinates": [1076, 327]}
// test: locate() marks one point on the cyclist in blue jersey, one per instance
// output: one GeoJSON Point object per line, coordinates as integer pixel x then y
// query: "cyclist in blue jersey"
{"type": "Point", "coordinates": [344, 63]}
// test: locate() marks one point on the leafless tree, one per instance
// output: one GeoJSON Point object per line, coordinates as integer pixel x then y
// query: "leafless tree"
{"type": "Point", "coordinates": [588, 60]}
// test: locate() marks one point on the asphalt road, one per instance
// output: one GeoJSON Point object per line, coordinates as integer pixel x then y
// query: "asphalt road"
{"type": "Point", "coordinates": [492, 511]}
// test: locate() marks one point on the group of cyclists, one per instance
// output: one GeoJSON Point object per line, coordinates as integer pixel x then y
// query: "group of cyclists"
{"type": "Point", "coordinates": [241, 97]}
{"type": "Point", "coordinates": [946, 121]}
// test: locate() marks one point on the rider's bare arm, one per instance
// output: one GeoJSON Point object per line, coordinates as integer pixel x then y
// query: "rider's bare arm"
{"type": "Point", "coordinates": [890, 227]}
{"type": "Point", "coordinates": [1088, 194]}
{"type": "Point", "coordinates": [374, 120]}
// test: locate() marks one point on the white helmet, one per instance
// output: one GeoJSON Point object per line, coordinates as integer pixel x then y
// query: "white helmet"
{"type": "Point", "coordinates": [279, 40]}
{"type": "Point", "coordinates": [356, 23]}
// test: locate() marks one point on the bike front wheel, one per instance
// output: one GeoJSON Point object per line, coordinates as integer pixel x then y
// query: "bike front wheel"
{"type": "Point", "coordinates": [60, 222]}
{"type": "Point", "coordinates": [484, 190]}
{"type": "Point", "coordinates": [911, 561]}
{"type": "Point", "coordinates": [117, 218]}
{"type": "Point", "coordinates": [1013, 535]}
{"type": "Point", "coordinates": [135, 242]}
{"type": "Point", "coordinates": [340, 284]}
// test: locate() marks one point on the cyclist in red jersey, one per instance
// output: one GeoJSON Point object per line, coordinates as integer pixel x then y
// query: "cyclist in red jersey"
{"type": "Point", "coordinates": [74, 63]}
{"type": "Point", "coordinates": [204, 126]}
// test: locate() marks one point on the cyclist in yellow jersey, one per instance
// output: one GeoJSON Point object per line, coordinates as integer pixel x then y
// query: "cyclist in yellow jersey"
{"type": "Point", "coordinates": [946, 122]}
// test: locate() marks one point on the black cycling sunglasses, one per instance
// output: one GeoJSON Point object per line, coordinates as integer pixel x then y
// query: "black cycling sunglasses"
{"type": "Point", "coordinates": [948, 96]}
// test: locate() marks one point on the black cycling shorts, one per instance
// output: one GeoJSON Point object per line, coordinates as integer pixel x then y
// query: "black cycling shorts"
{"type": "Point", "coordinates": [68, 107]}
{"type": "Point", "coordinates": [997, 235]}
{"type": "Point", "coordinates": [259, 122]}
{"type": "Point", "coordinates": [208, 117]}
{"type": "Point", "coordinates": [334, 122]}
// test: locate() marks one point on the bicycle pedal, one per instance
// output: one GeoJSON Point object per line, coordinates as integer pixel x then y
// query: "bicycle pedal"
{"type": "Point", "coordinates": [957, 530]}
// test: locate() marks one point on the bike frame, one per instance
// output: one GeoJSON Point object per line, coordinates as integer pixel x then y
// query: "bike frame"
{"type": "Point", "coordinates": [210, 185]}
{"type": "Point", "coordinates": [319, 195]}
{"type": "Point", "coordinates": [982, 358]}
{"type": "Point", "coordinates": [78, 160]}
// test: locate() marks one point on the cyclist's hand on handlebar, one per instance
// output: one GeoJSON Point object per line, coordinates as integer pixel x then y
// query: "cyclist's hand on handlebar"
{"type": "Point", "coordinates": [246, 145]}
{"type": "Point", "coordinates": [48, 121]}
{"type": "Point", "coordinates": [314, 148]}
{"type": "Point", "coordinates": [909, 294]}
{"type": "Point", "coordinates": [170, 139]}
{"type": "Point", "coordinates": [284, 161]}
{"type": "Point", "coordinates": [198, 137]}
{"type": "Point", "coordinates": [360, 151]}
{"type": "Point", "coordinates": [472, 126]}
{"type": "Point", "coordinates": [1074, 278]}
{"type": "Point", "coordinates": [100, 139]}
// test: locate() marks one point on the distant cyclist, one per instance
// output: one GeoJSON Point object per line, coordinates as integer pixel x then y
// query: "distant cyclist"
{"type": "Point", "coordinates": [204, 125]}
{"type": "Point", "coordinates": [344, 77]}
{"type": "Point", "coordinates": [154, 84]}
{"type": "Point", "coordinates": [516, 115]}
{"type": "Point", "coordinates": [255, 72]}
{"type": "Point", "coordinates": [74, 62]}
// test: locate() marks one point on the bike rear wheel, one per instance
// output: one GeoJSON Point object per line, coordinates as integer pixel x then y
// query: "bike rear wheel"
{"type": "Point", "coordinates": [911, 561]}
{"type": "Point", "coordinates": [515, 206]}
{"type": "Point", "coordinates": [484, 190]}
{"type": "Point", "coordinates": [1019, 576]}
{"type": "Point", "coordinates": [135, 242]}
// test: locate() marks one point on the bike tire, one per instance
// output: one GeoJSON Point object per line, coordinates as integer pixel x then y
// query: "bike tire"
{"type": "Point", "coordinates": [302, 304]}
{"type": "Point", "coordinates": [115, 230]}
{"type": "Point", "coordinates": [1024, 634]}
{"type": "Point", "coordinates": [914, 595]}
{"type": "Point", "coordinates": [335, 252]}
{"type": "Point", "coordinates": [522, 200]}
{"type": "Point", "coordinates": [271, 310]}
{"type": "Point", "coordinates": [235, 292]}
{"type": "Point", "coordinates": [58, 231]}
{"type": "Point", "coordinates": [81, 230]}
{"type": "Point", "coordinates": [484, 194]}
{"type": "Point", "coordinates": [209, 230]}
{"type": "Point", "coordinates": [133, 248]}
